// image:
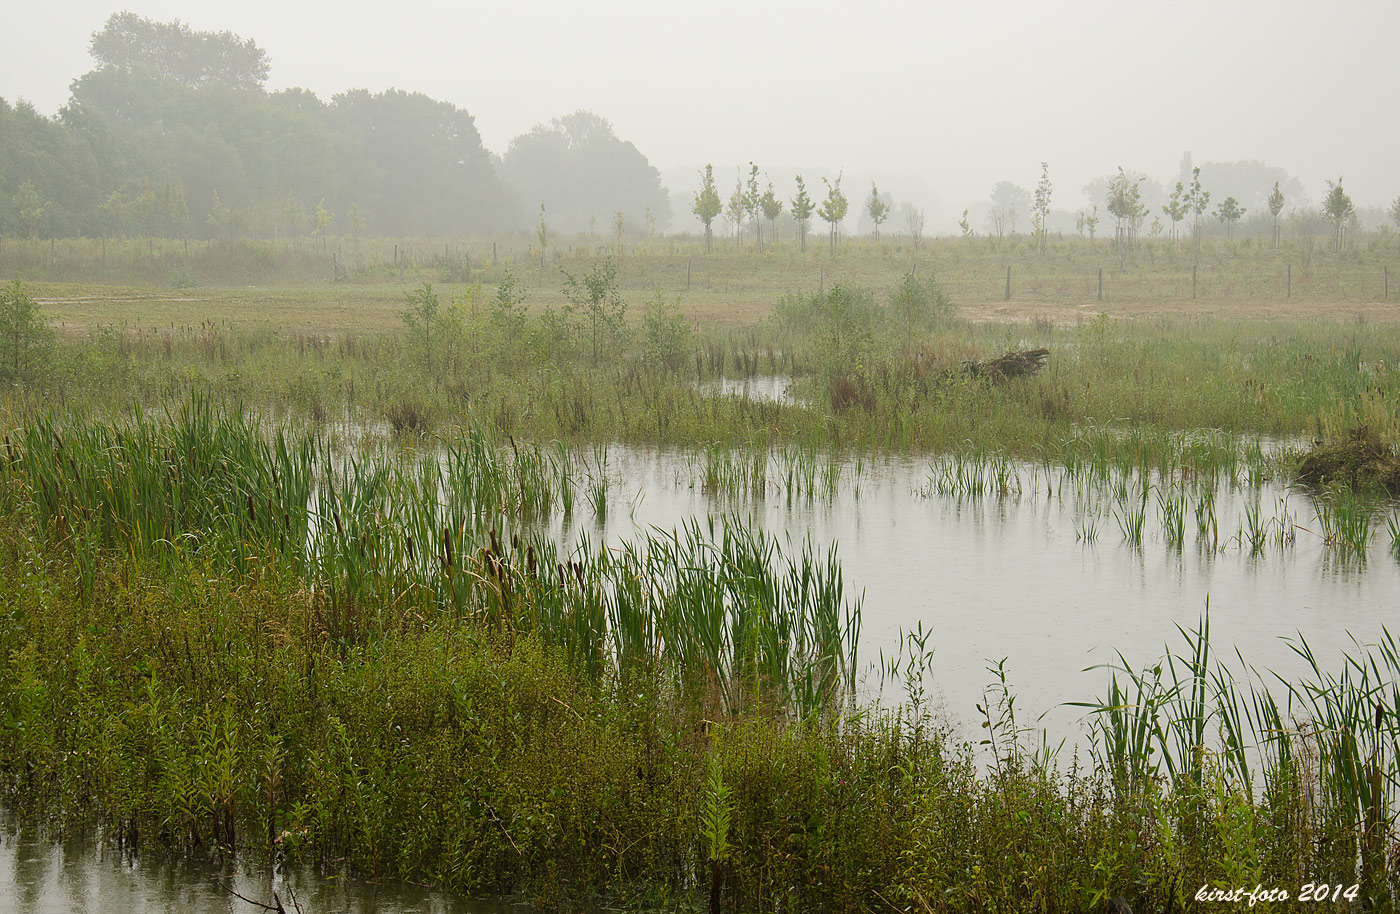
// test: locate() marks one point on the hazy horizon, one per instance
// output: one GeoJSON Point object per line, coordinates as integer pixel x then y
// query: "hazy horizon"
{"type": "Point", "coordinates": [957, 99]}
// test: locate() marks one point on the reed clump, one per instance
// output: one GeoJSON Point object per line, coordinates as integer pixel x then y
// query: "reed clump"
{"type": "Point", "coordinates": [1361, 461]}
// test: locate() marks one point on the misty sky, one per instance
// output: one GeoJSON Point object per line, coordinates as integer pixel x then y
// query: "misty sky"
{"type": "Point", "coordinates": [961, 95]}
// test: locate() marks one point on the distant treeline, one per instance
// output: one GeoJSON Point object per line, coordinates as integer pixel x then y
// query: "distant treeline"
{"type": "Point", "coordinates": [173, 134]}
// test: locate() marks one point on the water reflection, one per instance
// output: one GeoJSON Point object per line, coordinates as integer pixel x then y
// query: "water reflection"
{"type": "Point", "coordinates": [1013, 576]}
{"type": "Point", "coordinates": [81, 874]}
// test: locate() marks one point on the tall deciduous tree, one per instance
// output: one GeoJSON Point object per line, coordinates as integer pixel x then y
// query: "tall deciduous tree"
{"type": "Point", "coordinates": [707, 204]}
{"type": "Point", "coordinates": [1041, 206]}
{"type": "Point", "coordinates": [1339, 209]}
{"type": "Point", "coordinates": [172, 50]}
{"type": "Point", "coordinates": [802, 209]}
{"type": "Point", "coordinates": [580, 167]}
{"type": "Point", "coordinates": [834, 208]}
{"type": "Point", "coordinates": [1276, 207]}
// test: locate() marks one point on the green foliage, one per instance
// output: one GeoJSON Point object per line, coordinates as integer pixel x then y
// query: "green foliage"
{"type": "Point", "coordinates": [666, 335]}
{"type": "Point", "coordinates": [737, 208]}
{"type": "Point", "coordinates": [1041, 207]}
{"type": "Point", "coordinates": [25, 337]}
{"type": "Point", "coordinates": [716, 811]}
{"type": "Point", "coordinates": [1197, 201]}
{"type": "Point", "coordinates": [424, 318]}
{"type": "Point", "coordinates": [1176, 208]}
{"type": "Point", "coordinates": [772, 208]}
{"type": "Point", "coordinates": [1229, 212]}
{"type": "Point", "coordinates": [220, 218]}
{"type": "Point", "coordinates": [1337, 206]}
{"type": "Point", "coordinates": [1276, 201]}
{"type": "Point", "coordinates": [138, 46]}
{"type": "Point", "coordinates": [802, 209]}
{"type": "Point", "coordinates": [877, 208]}
{"type": "Point", "coordinates": [508, 317]}
{"type": "Point", "coordinates": [707, 203]}
{"type": "Point", "coordinates": [293, 215]}
{"type": "Point", "coordinates": [1088, 221]}
{"type": "Point", "coordinates": [1126, 206]}
{"type": "Point", "coordinates": [597, 301]}
{"type": "Point", "coordinates": [322, 219]}
{"type": "Point", "coordinates": [753, 203]}
{"type": "Point", "coordinates": [834, 208]}
{"type": "Point", "coordinates": [579, 167]}
{"type": "Point", "coordinates": [29, 209]}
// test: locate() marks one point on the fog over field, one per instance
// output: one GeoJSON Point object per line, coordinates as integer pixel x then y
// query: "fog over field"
{"type": "Point", "coordinates": [937, 102]}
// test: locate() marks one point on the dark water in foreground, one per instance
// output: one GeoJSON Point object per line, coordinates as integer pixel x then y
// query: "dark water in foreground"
{"type": "Point", "coordinates": [81, 876]}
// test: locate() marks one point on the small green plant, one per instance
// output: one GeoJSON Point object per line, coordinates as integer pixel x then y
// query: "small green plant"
{"type": "Point", "coordinates": [666, 333]}
{"type": "Point", "coordinates": [422, 316]}
{"type": "Point", "coordinates": [716, 812]}
{"type": "Point", "coordinates": [24, 332]}
{"type": "Point", "coordinates": [597, 300]}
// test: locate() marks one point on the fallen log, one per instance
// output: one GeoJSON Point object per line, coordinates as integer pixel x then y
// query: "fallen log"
{"type": "Point", "coordinates": [1015, 364]}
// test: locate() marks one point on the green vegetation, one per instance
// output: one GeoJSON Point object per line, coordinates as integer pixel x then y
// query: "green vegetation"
{"type": "Point", "coordinates": [280, 589]}
{"type": "Point", "coordinates": [218, 638]}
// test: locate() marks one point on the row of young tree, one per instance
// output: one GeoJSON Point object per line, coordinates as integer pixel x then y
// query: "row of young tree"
{"type": "Point", "coordinates": [173, 133]}
{"type": "Point", "coordinates": [747, 203]}
{"type": "Point", "coordinates": [1123, 197]}
{"type": "Point", "coordinates": [753, 203]}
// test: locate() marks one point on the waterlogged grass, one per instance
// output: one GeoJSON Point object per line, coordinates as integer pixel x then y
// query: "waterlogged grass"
{"type": "Point", "coordinates": [1243, 755]}
{"type": "Point", "coordinates": [199, 713]}
{"type": "Point", "coordinates": [878, 369]}
{"type": "Point", "coordinates": [1167, 486]}
{"type": "Point", "coordinates": [382, 539]}
{"type": "Point", "coordinates": [400, 680]}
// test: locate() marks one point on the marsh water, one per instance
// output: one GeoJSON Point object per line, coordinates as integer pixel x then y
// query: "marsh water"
{"type": "Point", "coordinates": [1039, 572]}
{"type": "Point", "coordinates": [82, 875]}
{"type": "Point", "coordinates": [1016, 576]}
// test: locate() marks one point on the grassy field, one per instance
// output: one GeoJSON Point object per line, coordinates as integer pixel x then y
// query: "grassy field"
{"type": "Point", "coordinates": [259, 284]}
{"type": "Point", "coordinates": [268, 582]}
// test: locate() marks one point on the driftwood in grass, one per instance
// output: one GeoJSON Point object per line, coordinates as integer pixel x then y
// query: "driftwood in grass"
{"type": "Point", "coordinates": [1016, 364]}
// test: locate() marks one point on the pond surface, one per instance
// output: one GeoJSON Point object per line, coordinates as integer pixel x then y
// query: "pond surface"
{"type": "Point", "coordinates": [759, 388]}
{"type": "Point", "coordinates": [81, 875]}
{"type": "Point", "coordinates": [1013, 577]}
